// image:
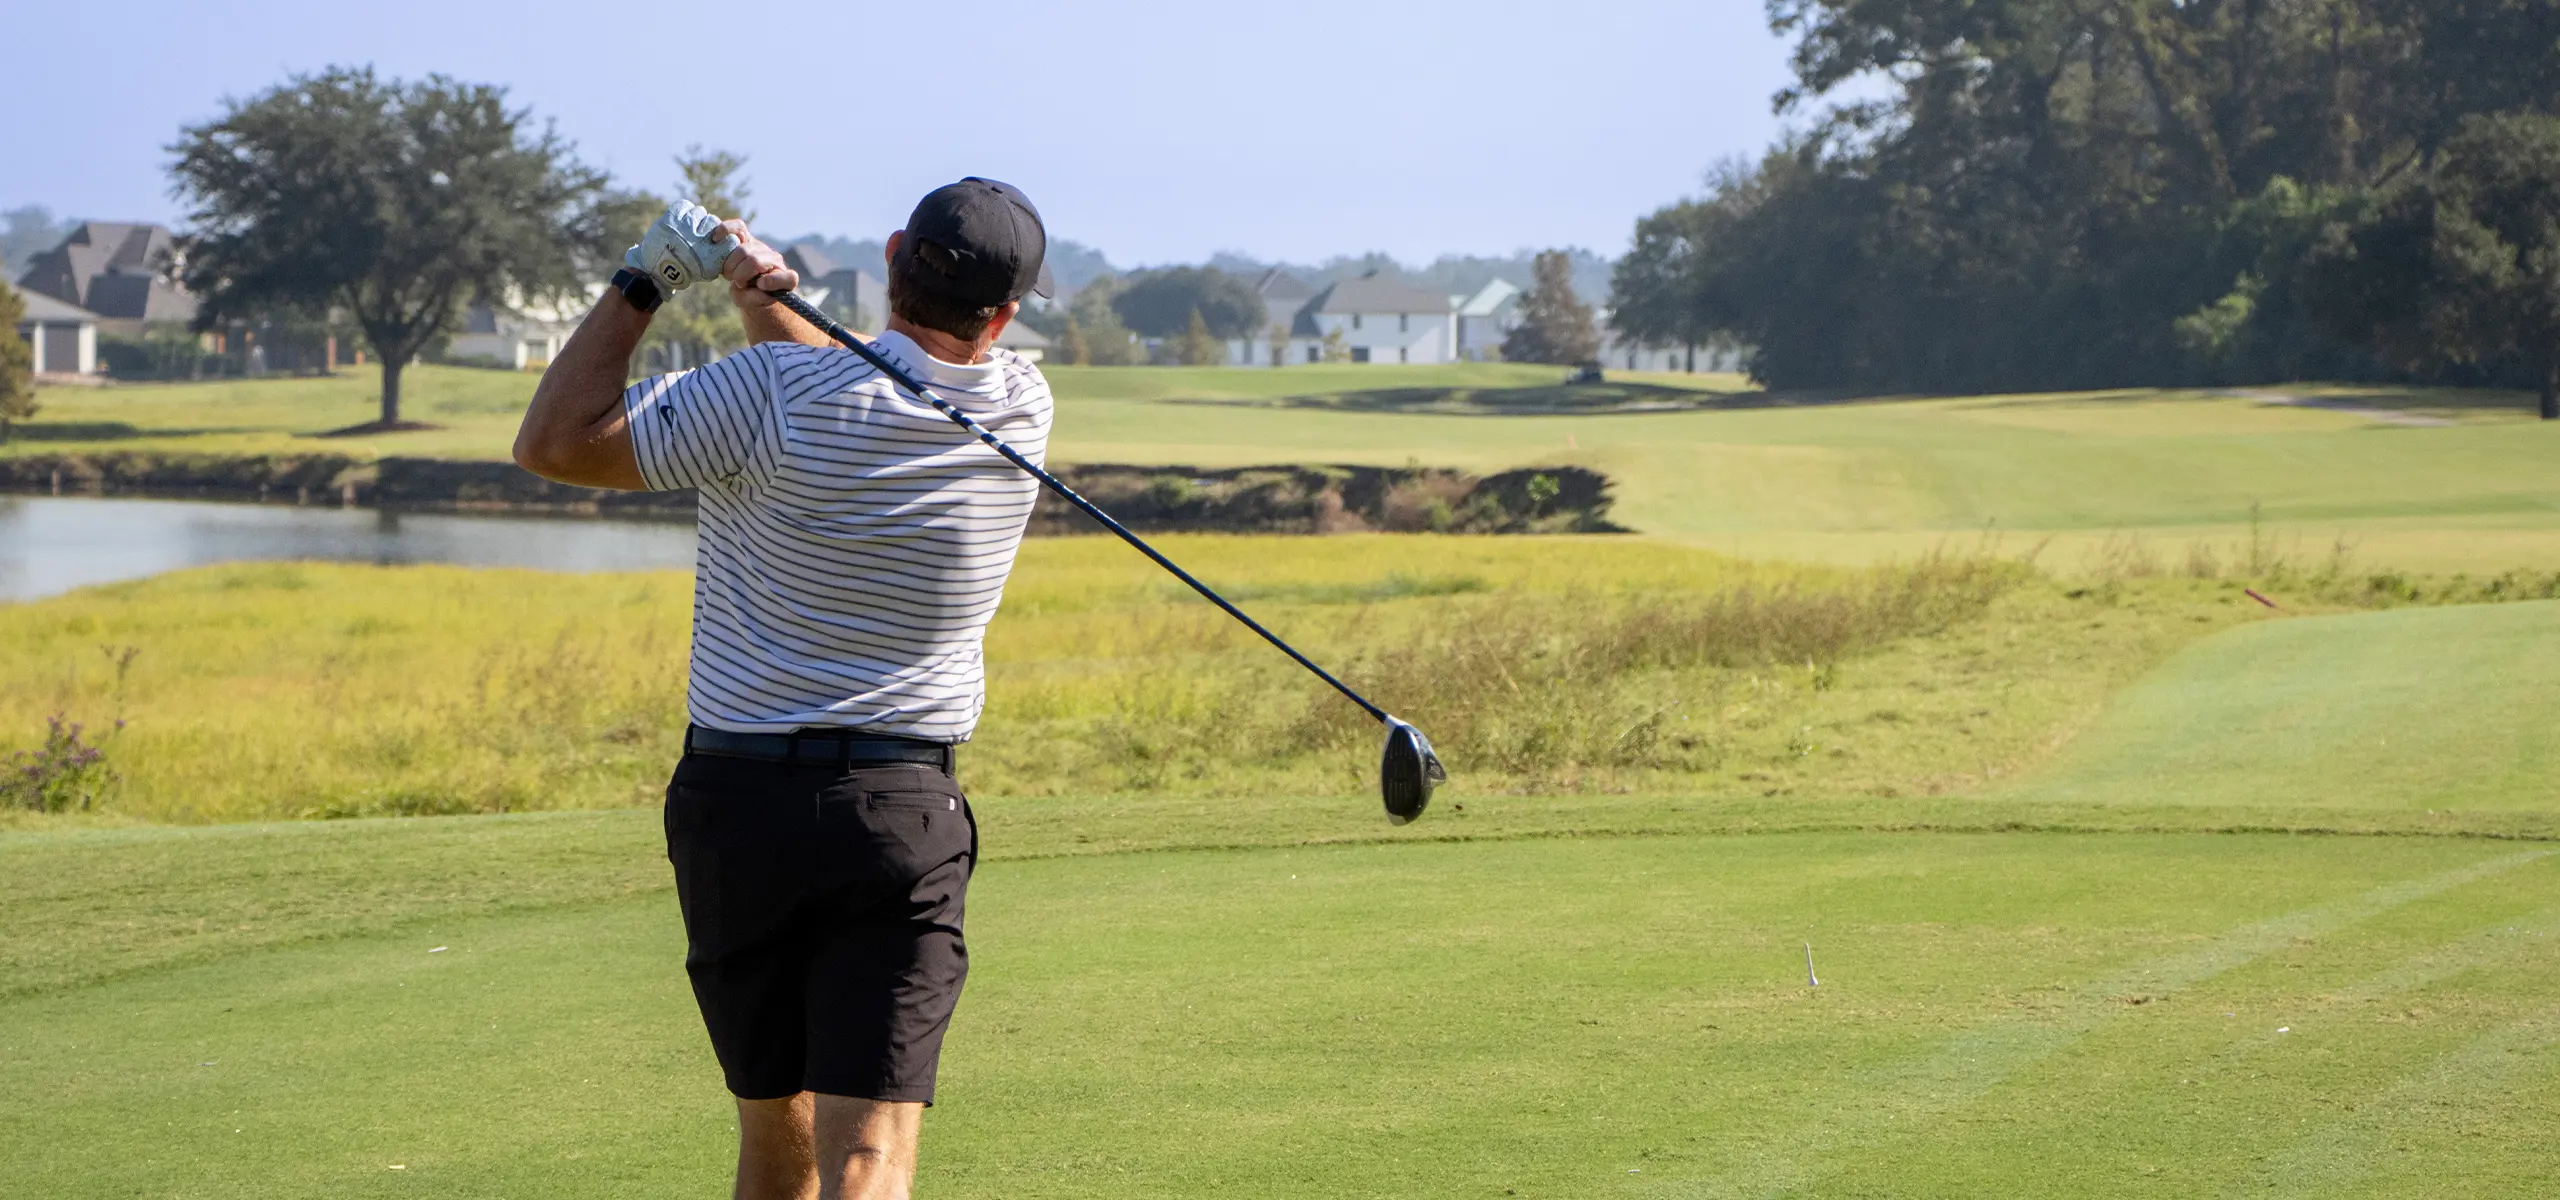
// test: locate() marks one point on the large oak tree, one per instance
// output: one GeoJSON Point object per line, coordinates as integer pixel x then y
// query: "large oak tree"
{"type": "Point", "coordinates": [396, 202]}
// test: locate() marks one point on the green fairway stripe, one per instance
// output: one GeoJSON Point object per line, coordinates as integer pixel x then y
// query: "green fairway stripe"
{"type": "Point", "coordinates": [1971, 1064]}
{"type": "Point", "coordinates": [2489, 945]}
{"type": "Point", "coordinates": [2335, 1159]}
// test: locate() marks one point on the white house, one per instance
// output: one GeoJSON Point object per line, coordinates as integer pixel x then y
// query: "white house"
{"type": "Point", "coordinates": [1485, 318]}
{"type": "Point", "coordinates": [1379, 320]}
{"type": "Point", "coordinates": [1375, 319]}
{"type": "Point", "coordinates": [519, 333]}
{"type": "Point", "coordinates": [63, 336]}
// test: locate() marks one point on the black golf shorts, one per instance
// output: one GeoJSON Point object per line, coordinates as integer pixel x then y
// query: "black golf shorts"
{"type": "Point", "coordinates": [822, 920]}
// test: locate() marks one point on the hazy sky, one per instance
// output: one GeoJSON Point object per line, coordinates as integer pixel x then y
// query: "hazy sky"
{"type": "Point", "coordinates": [1156, 131]}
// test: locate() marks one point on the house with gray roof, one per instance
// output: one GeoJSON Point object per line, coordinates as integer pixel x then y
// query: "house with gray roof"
{"type": "Point", "coordinates": [115, 271]}
{"type": "Point", "coordinates": [1379, 319]}
{"type": "Point", "coordinates": [64, 336]}
{"type": "Point", "coordinates": [1374, 318]}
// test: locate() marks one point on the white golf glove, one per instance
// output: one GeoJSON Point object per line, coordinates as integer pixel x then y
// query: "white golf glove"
{"type": "Point", "coordinates": [677, 251]}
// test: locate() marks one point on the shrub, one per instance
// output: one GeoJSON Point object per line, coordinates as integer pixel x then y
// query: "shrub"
{"type": "Point", "coordinates": [65, 774]}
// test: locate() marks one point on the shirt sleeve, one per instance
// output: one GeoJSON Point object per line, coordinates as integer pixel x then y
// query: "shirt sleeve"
{"type": "Point", "coordinates": [708, 425]}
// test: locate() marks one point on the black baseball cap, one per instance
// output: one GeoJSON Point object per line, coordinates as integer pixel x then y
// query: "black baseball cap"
{"type": "Point", "coordinates": [980, 242]}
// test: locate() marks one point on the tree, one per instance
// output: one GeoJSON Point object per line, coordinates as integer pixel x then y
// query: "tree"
{"type": "Point", "coordinates": [1555, 325]}
{"type": "Point", "coordinates": [1073, 350]}
{"type": "Point", "coordinates": [1197, 347]}
{"type": "Point", "coordinates": [2028, 194]}
{"type": "Point", "coordinates": [2463, 268]}
{"type": "Point", "coordinates": [395, 201]}
{"type": "Point", "coordinates": [1108, 343]}
{"type": "Point", "coordinates": [1159, 303]}
{"type": "Point", "coordinates": [1673, 287]}
{"type": "Point", "coordinates": [712, 180]}
{"type": "Point", "coordinates": [17, 365]}
{"type": "Point", "coordinates": [615, 223]}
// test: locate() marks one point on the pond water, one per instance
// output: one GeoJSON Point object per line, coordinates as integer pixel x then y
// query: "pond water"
{"type": "Point", "coordinates": [51, 544]}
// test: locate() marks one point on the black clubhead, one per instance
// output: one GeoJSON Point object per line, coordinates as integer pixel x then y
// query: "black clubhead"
{"type": "Point", "coordinates": [1408, 773]}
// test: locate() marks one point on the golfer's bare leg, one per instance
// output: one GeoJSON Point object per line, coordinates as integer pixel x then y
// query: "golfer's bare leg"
{"type": "Point", "coordinates": [830, 1147]}
{"type": "Point", "coordinates": [866, 1148]}
{"type": "Point", "coordinates": [777, 1156]}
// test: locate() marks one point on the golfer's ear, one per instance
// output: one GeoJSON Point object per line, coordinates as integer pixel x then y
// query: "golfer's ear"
{"type": "Point", "coordinates": [1003, 317]}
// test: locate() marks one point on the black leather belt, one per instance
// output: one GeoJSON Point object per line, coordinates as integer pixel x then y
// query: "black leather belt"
{"type": "Point", "coordinates": [818, 747]}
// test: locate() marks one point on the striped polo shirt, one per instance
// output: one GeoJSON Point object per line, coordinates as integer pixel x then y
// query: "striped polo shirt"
{"type": "Point", "coordinates": [854, 541]}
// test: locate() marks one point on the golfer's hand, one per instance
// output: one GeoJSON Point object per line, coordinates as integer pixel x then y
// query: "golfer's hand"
{"type": "Point", "coordinates": [754, 270]}
{"type": "Point", "coordinates": [680, 248]}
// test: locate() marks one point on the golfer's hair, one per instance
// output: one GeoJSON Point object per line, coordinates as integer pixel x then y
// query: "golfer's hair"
{"type": "Point", "coordinates": [912, 301]}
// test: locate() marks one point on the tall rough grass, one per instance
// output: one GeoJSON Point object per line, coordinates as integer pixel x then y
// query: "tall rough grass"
{"type": "Point", "coordinates": [2326, 574]}
{"type": "Point", "coordinates": [1560, 665]}
{"type": "Point", "coordinates": [1540, 687]}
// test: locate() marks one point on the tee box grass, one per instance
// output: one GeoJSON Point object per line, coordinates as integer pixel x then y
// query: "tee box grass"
{"type": "Point", "coordinates": [494, 1005]}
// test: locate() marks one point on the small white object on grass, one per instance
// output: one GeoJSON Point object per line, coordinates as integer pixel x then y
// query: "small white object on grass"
{"type": "Point", "coordinates": [439, 950]}
{"type": "Point", "coordinates": [1810, 979]}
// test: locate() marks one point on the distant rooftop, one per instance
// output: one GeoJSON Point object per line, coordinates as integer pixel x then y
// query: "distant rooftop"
{"type": "Point", "coordinates": [1278, 285]}
{"type": "Point", "coordinates": [113, 269]}
{"type": "Point", "coordinates": [41, 307]}
{"type": "Point", "coordinates": [1375, 293]}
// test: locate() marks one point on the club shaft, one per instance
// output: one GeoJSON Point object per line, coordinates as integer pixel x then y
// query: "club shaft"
{"type": "Point", "coordinates": [827, 325]}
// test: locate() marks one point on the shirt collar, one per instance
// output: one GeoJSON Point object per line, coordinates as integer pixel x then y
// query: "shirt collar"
{"type": "Point", "coordinates": [983, 379]}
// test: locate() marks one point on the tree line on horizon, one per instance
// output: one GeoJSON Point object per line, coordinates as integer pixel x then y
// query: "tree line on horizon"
{"type": "Point", "coordinates": [2098, 193]}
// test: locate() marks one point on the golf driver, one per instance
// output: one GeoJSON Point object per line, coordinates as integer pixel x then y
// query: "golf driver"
{"type": "Point", "coordinates": [1408, 770]}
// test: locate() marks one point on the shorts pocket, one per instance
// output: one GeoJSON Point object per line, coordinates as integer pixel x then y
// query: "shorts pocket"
{"type": "Point", "coordinates": [938, 802]}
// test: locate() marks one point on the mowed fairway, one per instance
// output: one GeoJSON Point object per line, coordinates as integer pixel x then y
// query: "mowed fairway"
{"type": "Point", "coordinates": [1724, 468]}
{"type": "Point", "coordinates": [2169, 1013]}
{"type": "Point", "coordinates": [2340, 715]}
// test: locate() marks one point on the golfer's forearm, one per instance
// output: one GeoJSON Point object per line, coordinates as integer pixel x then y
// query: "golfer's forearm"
{"type": "Point", "coordinates": [573, 432]}
{"type": "Point", "coordinates": [774, 323]}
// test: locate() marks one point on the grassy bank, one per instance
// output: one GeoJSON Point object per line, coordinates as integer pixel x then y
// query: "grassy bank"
{"type": "Point", "coordinates": [1573, 666]}
{"type": "Point", "coordinates": [1694, 457]}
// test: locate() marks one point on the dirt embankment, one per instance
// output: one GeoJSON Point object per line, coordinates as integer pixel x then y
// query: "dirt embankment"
{"type": "Point", "coordinates": [1285, 499]}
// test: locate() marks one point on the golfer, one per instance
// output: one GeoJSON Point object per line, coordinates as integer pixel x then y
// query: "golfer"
{"type": "Point", "coordinates": [854, 543]}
